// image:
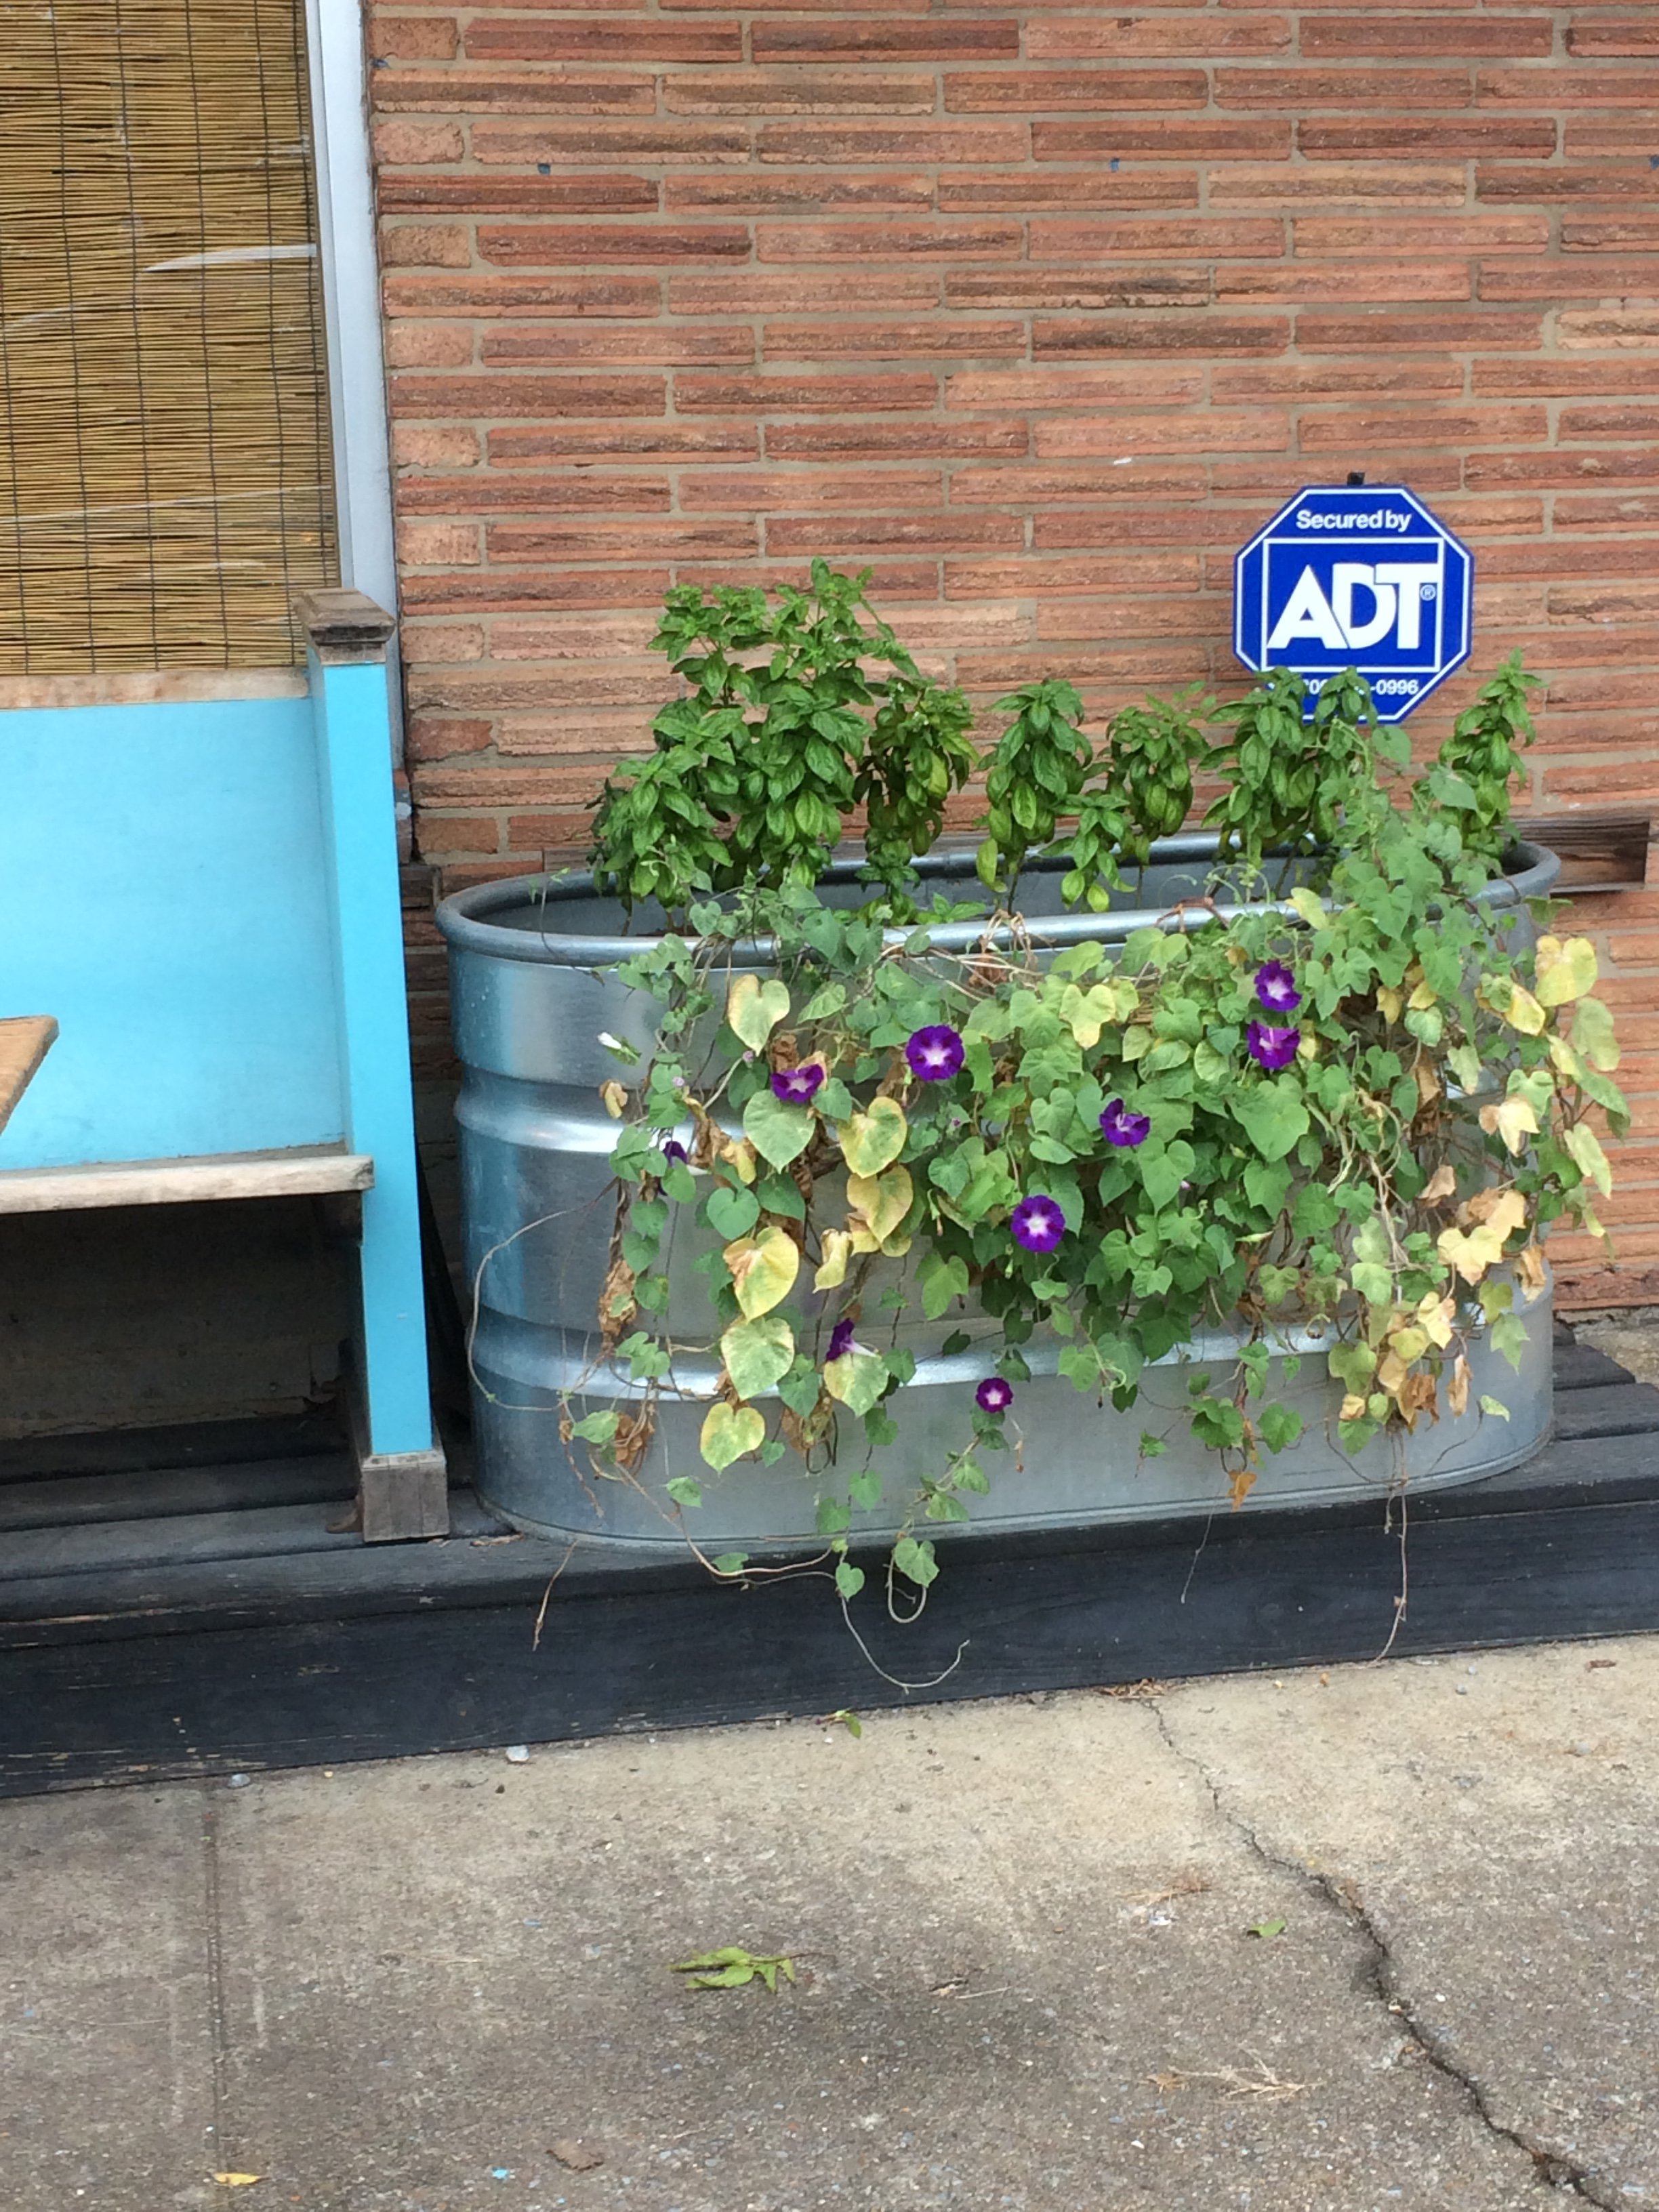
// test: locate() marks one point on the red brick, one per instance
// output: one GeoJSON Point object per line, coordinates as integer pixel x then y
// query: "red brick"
{"type": "Point", "coordinates": [891, 341]}
{"type": "Point", "coordinates": [675, 442]}
{"type": "Point", "coordinates": [884, 442]}
{"type": "Point", "coordinates": [472, 194]}
{"type": "Point", "coordinates": [546, 36]}
{"type": "Point", "coordinates": [428, 345]}
{"type": "Point", "coordinates": [1460, 35]}
{"type": "Point", "coordinates": [1624, 421]}
{"type": "Point", "coordinates": [1205, 140]}
{"type": "Point", "coordinates": [804, 192]}
{"type": "Point", "coordinates": [1058, 239]}
{"type": "Point", "coordinates": [1417, 333]}
{"type": "Point", "coordinates": [1565, 471]}
{"type": "Point", "coordinates": [430, 738]}
{"type": "Point", "coordinates": [565, 586]}
{"type": "Point", "coordinates": [443, 834]}
{"type": "Point", "coordinates": [1608, 234]}
{"type": "Point", "coordinates": [439, 544]}
{"type": "Point", "coordinates": [514, 145]}
{"type": "Point", "coordinates": [1289, 283]}
{"type": "Point", "coordinates": [810, 491]}
{"type": "Point", "coordinates": [425, 246]}
{"type": "Point", "coordinates": [1414, 235]}
{"type": "Point", "coordinates": [1380, 184]}
{"type": "Point", "coordinates": [1626, 511]}
{"type": "Point", "coordinates": [888, 241]}
{"type": "Point", "coordinates": [1023, 286]}
{"type": "Point", "coordinates": [1624, 135]}
{"type": "Point", "coordinates": [1611, 181]}
{"type": "Point", "coordinates": [412, 38]}
{"type": "Point", "coordinates": [433, 445]}
{"type": "Point", "coordinates": [1153, 335]}
{"type": "Point", "coordinates": [488, 296]}
{"type": "Point", "coordinates": [905, 143]}
{"type": "Point", "coordinates": [799, 92]}
{"type": "Point", "coordinates": [665, 345]}
{"type": "Point", "coordinates": [1182, 430]}
{"type": "Point", "coordinates": [1563, 88]}
{"type": "Point", "coordinates": [443, 644]}
{"type": "Point", "coordinates": [555, 245]}
{"type": "Point", "coordinates": [1094, 37]}
{"type": "Point", "coordinates": [1296, 91]}
{"type": "Point", "coordinates": [1136, 570]}
{"type": "Point", "coordinates": [845, 38]}
{"type": "Point", "coordinates": [758, 292]}
{"type": "Point", "coordinates": [1594, 277]}
{"type": "Point", "coordinates": [575, 491]}
{"type": "Point", "coordinates": [1608, 327]}
{"type": "Point", "coordinates": [1425, 426]}
{"type": "Point", "coordinates": [1074, 387]}
{"type": "Point", "coordinates": [1632, 32]}
{"type": "Point", "coordinates": [396, 143]}
{"type": "Point", "coordinates": [999, 92]}
{"type": "Point", "coordinates": [528, 396]}
{"type": "Point", "coordinates": [470, 92]}
{"type": "Point", "coordinates": [772, 394]}
{"type": "Point", "coordinates": [1137, 186]}
{"type": "Point", "coordinates": [1464, 138]}
{"type": "Point", "coordinates": [1033, 487]}
{"type": "Point", "coordinates": [1334, 380]}
{"type": "Point", "coordinates": [851, 537]}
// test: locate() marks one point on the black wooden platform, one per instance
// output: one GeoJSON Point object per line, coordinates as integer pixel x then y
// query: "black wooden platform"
{"type": "Point", "coordinates": [178, 1603]}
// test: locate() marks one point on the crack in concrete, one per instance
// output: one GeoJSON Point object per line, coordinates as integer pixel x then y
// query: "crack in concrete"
{"type": "Point", "coordinates": [1383, 1978]}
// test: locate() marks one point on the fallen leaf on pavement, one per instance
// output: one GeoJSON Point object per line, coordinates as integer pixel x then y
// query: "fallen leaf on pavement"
{"type": "Point", "coordinates": [576, 2155]}
{"type": "Point", "coordinates": [236, 2181]}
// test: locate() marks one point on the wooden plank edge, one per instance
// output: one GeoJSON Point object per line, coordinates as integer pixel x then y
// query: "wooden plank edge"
{"type": "Point", "coordinates": [177, 1183]}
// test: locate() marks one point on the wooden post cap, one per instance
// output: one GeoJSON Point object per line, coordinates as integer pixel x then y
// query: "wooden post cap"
{"type": "Point", "coordinates": [344, 625]}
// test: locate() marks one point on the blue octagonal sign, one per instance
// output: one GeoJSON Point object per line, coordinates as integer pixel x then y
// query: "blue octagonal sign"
{"type": "Point", "coordinates": [1361, 577]}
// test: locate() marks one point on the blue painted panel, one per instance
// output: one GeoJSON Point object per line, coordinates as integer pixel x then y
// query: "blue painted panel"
{"type": "Point", "coordinates": [164, 891]}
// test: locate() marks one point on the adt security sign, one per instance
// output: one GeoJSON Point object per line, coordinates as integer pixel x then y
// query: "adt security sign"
{"type": "Point", "coordinates": [1359, 577]}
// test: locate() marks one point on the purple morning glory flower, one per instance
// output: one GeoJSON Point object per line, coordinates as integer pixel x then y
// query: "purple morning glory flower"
{"type": "Point", "coordinates": [1275, 986]}
{"type": "Point", "coordinates": [935, 1053]}
{"type": "Point", "coordinates": [796, 1086]}
{"type": "Point", "coordinates": [674, 1153]}
{"type": "Point", "coordinates": [993, 1396]}
{"type": "Point", "coordinates": [1123, 1128]}
{"type": "Point", "coordinates": [1037, 1223]}
{"type": "Point", "coordinates": [1273, 1049]}
{"type": "Point", "coordinates": [840, 1340]}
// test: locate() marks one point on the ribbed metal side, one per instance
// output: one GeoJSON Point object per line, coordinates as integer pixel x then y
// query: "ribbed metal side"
{"type": "Point", "coordinates": [530, 995]}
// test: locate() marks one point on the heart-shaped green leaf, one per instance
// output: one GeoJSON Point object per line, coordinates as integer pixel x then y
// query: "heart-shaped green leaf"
{"type": "Point", "coordinates": [731, 1213]}
{"type": "Point", "coordinates": [754, 1009]}
{"type": "Point", "coordinates": [778, 1133]}
{"type": "Point", "coordinates": [757, 1354]}
{"type": "Point", "coordinates": [873, 1140]}
{"type": "Point", "coordinates": [729, 1432]}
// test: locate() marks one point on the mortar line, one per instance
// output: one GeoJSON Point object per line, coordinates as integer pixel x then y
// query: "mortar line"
{"type": "Point", "coordinates": [1383, 1977]}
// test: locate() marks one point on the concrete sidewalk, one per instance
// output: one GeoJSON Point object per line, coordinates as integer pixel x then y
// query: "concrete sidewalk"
{"type": "Point", "coordinates": [1022, 1931]}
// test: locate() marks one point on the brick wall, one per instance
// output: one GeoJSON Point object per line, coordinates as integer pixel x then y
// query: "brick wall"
{"type": "Point", "coordinates": [1036, 310]}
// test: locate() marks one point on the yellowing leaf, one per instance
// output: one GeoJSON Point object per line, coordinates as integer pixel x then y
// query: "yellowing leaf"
{"type": "Point", "coordinates": [1457, 1390]}
{"type": "Point", "coordinates": [1529, 1266]}
{"type": "Point", "coordinates": [1422, 998]}
{"type": "Point", "coordinates": [1307, 904]}
{"type": "Point", "coordinates": [729, 1432]}
{"type": "Point", "coordinates": [1085, 1013]}
{"type": "Point", "coordinates": [1586, 1149]}
{"type": "Point", "coordinates": [873, 1140]}
{"type": "Point", "coordinates": [757, 1354]}
{"type": "Point", "coordinates": [1393, 1004]}
{"type": "Point", "coordinates": [1592, 1037]}
{"type": "Point", "coordinates": [1471, 1253]}
{"type": "Point", "coordinates": [1435, 1316]}
{"type": "Point", "coordinates": [764, 1270]}
{"type": "Point", "coordinates": [616, 1099]}
{"type": "Point", "coordinates": [754, 1009]}
{"type": "Point", "coordinates": [741, 1155]}
{"type": "Point", "coordinates": [832, 1269]}
{"type": "Point", "coordinates": [1513, 1120]}
{"type": "Point", "coordinates": [1564, 971]}
{"type": "Point", "coordinates": [881, 1200]}
{"type": "Point", "coordinates": [235, 2180]}
{"type": "Point", "coordinates": [1523, 1013]}
{"type": "Point", "coordinates": [857, 1380]}
{"type": "Point", "coordinates": [1410, 1342]}
{"type": "Point", "coordinates": [1564, 1061]}
{"type": "Point", "coordinates": [1505, 1209]}
{"type": "Point", "coordinates": [1440, 1186]}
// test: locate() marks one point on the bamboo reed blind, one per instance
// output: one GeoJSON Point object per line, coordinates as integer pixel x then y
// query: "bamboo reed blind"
{"type": "Point", "coordinates": [164, 450]}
